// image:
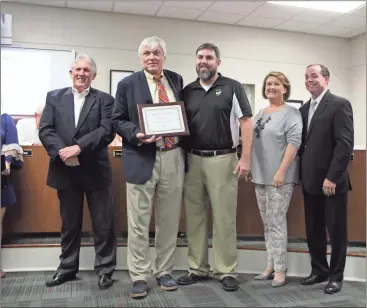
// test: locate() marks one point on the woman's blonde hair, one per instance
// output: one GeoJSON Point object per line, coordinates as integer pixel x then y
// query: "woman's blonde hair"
{"type": "Point", "coordinates": [283, 79]}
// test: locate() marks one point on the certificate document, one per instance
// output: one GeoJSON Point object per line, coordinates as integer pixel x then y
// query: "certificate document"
{"type": "Point", "coordinates": [168, 119]}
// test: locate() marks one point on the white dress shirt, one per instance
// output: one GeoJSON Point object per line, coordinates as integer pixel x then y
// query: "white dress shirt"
{"type": "Point", "coordinates": [79, 99]}
{"type": "Point", "coordinates": [27, 131]}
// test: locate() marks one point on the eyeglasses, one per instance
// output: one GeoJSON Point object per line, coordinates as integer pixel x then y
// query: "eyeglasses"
{"type": "Point", "coordinates": [260, 126]}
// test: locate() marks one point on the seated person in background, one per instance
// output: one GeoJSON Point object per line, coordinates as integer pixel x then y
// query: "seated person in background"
{"type": "Point", "coordinates": [28, 128]}
{"type": "Point", "coordinates": [12, 158]}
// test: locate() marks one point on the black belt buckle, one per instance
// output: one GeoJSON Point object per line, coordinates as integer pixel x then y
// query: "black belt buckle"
{"type": "Point", "coordinates": [204, 153]}
{"type": "Point", "coordinates": [208, 153]}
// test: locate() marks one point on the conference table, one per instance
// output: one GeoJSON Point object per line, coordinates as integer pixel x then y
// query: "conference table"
{"type": "Point", "coordinates": [37, 210]}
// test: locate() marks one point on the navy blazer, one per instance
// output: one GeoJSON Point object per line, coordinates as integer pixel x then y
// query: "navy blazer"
{"type": "Point", "coordinates": [137, 161]}
{"type": "Point", "coordinates": [93, 134]}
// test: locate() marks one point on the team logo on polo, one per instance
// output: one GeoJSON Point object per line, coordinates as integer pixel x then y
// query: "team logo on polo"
{"type": "Point", "coordinates": [218, 92]}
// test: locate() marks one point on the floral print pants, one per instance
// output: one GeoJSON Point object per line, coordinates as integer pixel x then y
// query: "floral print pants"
{"type": "Point", "coordinates": [273, 205]}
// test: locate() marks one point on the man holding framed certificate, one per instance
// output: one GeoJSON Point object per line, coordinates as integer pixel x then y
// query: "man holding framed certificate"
{"type": "Point", "coordinates": [150, 124]}
{"type": "Point", "coordinates": [217, 108]}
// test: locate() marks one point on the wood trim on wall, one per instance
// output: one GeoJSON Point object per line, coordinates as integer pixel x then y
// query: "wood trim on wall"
{"type": "Point", "coordinates": [38, 207]}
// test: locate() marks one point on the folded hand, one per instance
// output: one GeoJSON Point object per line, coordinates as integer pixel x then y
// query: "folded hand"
{"type": "Point", "coordinates": [69, 152]}
{"type": "Point", "coordinates": [72, 162]}
{"type": "Point", "coordinates": [144, 139]}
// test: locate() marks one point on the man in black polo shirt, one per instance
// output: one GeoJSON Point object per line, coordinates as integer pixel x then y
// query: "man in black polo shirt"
{"type": "Point", "coordinates": [216, 108]}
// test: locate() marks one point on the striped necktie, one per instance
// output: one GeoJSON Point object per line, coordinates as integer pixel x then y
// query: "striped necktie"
{"type": "Point", "coordinates": [163, 98]}
{"type": "Point", "coordinates": [311, 112]}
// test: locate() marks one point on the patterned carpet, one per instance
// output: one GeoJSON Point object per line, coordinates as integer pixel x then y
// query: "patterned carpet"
{"type": "Point", "coordinates": [28, 290]}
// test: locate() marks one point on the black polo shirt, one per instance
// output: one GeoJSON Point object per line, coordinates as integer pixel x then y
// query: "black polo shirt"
{"type": "Point", "coordinates": [213, 114]}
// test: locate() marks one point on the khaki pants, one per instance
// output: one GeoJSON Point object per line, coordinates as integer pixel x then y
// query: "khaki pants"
{"type": "Point", "coordinates": [164, 188]}
{"type": "Point", "coordinates": [211, 179]}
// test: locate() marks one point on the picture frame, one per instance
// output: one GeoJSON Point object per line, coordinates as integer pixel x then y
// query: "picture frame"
{"type": "Point", "coordinates": [296, 103]}
{"type": "Point", "coordinates": [115, 77]}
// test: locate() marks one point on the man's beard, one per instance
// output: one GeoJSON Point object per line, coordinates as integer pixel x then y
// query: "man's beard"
{"type": "Point", "coordinates": [206, 75]}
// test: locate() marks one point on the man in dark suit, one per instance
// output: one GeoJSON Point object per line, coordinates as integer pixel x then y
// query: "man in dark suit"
{"type": "Point", "coordinates": [328, 141]}
{"type": "Point", "coordinates": [153, 168]}
{"type": "Point", "coordinates": [76, 129]}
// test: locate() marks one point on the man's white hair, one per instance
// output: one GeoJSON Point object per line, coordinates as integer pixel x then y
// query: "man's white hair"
{"type": "Point", "coordinates": [87, 58]}
{"type": "Point", "coordinates": [40, 108]}
{"type": "Point", "coordinates": [151, 43]}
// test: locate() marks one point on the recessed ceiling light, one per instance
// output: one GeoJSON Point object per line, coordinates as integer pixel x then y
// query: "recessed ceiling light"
{"type": "Point", "coordinates": [331, 6]}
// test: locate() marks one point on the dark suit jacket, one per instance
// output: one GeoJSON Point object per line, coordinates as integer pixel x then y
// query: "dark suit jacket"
{"type": "Point", "coordinates": [93, 134]}
{"type": "Point", "coordinates": [137, 161]}
{"type": "Point", "coordinates": [327, 145]}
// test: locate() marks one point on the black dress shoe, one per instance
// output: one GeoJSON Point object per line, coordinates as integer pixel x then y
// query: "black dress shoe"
{"type": "Point", "coordinates": [190, 278]}
{"type": "Point", "coordinates": [104, 282]}
{"type": "Point", "coordinates": [58, 279]}
{"type": "Point", "coordinates": [333, 287]}
{"type": "Point", "coordinates": [229, 283]}
{"type": "Point", "coordinates": [313, 278]}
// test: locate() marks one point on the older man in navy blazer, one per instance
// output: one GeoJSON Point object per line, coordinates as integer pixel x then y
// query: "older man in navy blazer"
{"type": "Point", "coordinates": [76, 129]}
{"type": "Point", "coordinates": [153, 168]}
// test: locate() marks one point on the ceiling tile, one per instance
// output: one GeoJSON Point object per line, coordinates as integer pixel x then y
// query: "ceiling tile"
{"type": "Point", "coordinates": [330, 30]}
{"type": "Point", "coordinates": [262, 22]}
{"type": "Point", "coordinates": [91, 5]}
{"type": "Point", "coordinates": [308, 15]}
{"type": "Point", "coordinates": [353, 22]}
{"type": "Point", "coordinates": [236, 7]}
{"type": "Point", "coordinates": [220, 17]}
{"type": "Point", "coordinates": [175, 12]}
{"type": "Point", "coordinates": [276, 11]}
{"type": "Point", "coordinates": [245, 13]}
{"type": "Point", "coordinates": [359, 12]}
{"type": "Point", "coordinates": [48, 3]}
{"type": "Point", "coordinates": [198, 5]}
{"type": "Point", "coordinates": [296, 26]}
{"type": "Point", "coordinates": [141, 2]}
{"type": "Point", "coordinates": [141, 8]}
{"type": "Point", "coordinates": [355, 32]}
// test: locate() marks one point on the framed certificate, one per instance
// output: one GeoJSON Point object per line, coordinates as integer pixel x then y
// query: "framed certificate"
{"type": "Point", "coordinates": [160, 120]}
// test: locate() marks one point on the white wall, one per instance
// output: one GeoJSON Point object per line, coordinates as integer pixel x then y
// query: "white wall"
{"type": "Point", "coordinates": [247, 53]}
{"type": "Point", "coordinates": [358, 87]}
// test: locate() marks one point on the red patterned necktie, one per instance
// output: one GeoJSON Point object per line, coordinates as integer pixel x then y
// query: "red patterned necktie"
{"type": "Point", "coordinates": [163, 98]}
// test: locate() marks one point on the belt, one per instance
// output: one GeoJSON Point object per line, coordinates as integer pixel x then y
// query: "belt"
{"type": "Point", "coordinates": [164, 148]}
{"type": "Point", "coordinates": [210, 153]}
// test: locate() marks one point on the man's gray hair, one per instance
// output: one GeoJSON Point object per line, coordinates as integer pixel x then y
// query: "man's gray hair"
{"type": "Point", "coordinates": [87, 58]}
{"type": "Point", "coordinates": [151, 43]}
